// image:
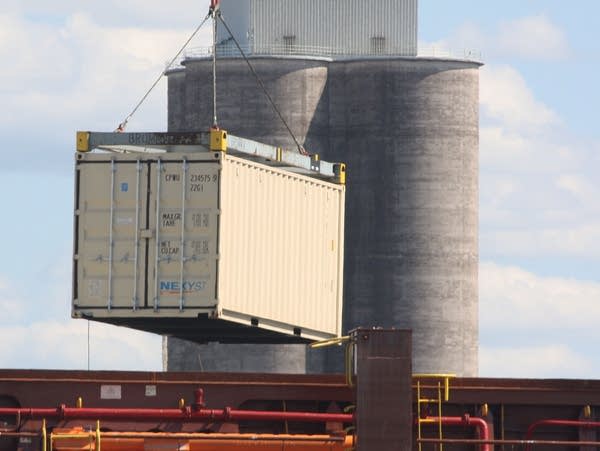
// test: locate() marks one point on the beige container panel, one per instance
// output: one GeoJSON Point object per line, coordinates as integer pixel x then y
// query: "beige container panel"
{"type": "Point", "coordinates": [281, 246]}
{"type": "Point", "coordinates": [106, 278]}
{"type": "Point", "coordinates": [185, 195]}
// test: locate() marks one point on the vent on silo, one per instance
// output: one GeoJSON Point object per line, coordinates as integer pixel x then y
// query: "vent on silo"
{"type": "Point", "coordinates": [289, 43]}
{"type": "Point", "coordinates": [377, 45]}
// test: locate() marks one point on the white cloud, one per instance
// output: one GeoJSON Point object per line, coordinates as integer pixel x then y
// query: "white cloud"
{"type": "Point", "coordinates": [36, 330]}
{"type": "Point", "coordinates": [38, 55]}
{"type": "Point", "coordinates": [539, 187]}
{"type": "Point", "coordinates": [525, 239]}
{"type": "Point", "coordinates": [550, 361]}
{"type": "Point", "coordinates": [505, 97]}
{"type": "Point", "coordinates": [63, 345]}
{"type": "Point", "coordinates": [12, 310]}
{"type": "Point", "coordinates": [141, 13]}
{"type": "Point", "coordinates": [534, 326]}
{"type": "Point", "coordinates": [514, 300]}
{"type": "Point", "coordinates": [581, 188]}
{"type": "Point", "coordinates": [520, 151]}
{"type": "Point", "coordinates": [534, 37]}
{"type": "Point", "coordinates": [82, 71]}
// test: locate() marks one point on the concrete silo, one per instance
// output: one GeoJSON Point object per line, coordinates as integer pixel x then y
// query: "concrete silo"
{"type": "Point", "coordinates": [407, 127]}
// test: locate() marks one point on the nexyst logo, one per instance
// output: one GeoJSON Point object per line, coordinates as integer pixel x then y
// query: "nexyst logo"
{"type": "Point", "coordinates": [175, 286]}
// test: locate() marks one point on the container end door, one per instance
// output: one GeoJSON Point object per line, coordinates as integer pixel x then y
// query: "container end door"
{"type": "Point", "coordinates": [109, 250]}
{"type": "Point", "coordinates": [184, 212]}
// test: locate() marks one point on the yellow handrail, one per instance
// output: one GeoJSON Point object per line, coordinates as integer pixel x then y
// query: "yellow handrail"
{"type": "Point", "coordinates": [44, 435]}
{"type": "Point", "coordinates": [329, 342]}
{"type": "Point", "coordinates": [98, 436]}
{"type": "Point", "coordinates": [348, 353]}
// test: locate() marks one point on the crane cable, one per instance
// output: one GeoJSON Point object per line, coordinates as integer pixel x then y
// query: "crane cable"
{"type": "Point", "coordinates": [214, 10]}
{"type": "Point", "coordinates": [301, 149]}
{"type": "Point", "coordinates": [121, 127]}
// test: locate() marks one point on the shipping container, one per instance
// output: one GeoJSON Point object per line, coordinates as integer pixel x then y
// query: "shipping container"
{"type": "Point", "coordinates": [207, 246]}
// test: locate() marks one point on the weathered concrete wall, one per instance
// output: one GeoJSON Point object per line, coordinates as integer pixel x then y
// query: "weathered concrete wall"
{"type": "Point", "coordinates": [175, 99]}
{"type": "Point", "coordinates": [296, 87]}
{"type": "Point", "coordinates": [408, 129]}
{"type": "Point", "coordinates": [181, 355]}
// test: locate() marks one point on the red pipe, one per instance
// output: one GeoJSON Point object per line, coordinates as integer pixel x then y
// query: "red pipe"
{"type": "Point", "coordinates": [466, 420]}
{"type": "Point", "coordinates": [572, 423]}
{"type": "Point", "coordinates": [187, 414]}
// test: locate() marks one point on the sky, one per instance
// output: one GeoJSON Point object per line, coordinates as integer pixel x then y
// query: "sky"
{"type": "Point", "coordinates": [72, 65]}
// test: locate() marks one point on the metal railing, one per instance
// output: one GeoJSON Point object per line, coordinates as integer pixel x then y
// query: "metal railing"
{"type": "Point", "coordinates": [442, 52]}
{"type": "Point", "coordinates": [229, 50]}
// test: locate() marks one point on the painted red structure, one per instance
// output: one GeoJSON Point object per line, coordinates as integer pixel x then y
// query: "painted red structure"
{"type": "Point", "coordinates": [559, 423]}
{"type": "Point", "coordinates": [466, 420]}
{"type": "Point", "coordinates": [187, 414]}
{"type": "Point", "coordinates": [318, 410]}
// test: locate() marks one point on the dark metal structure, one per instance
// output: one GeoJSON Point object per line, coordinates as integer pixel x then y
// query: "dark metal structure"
{"type": "Point", "coordinates": [387, 409]}
{"type": "Point", "coordinates": [383, 360]}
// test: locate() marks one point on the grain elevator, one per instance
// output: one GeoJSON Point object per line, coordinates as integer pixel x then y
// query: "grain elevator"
{"type": "Point", "coordinates": [347, 77]}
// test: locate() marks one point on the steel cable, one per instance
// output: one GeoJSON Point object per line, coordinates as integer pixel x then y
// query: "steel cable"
{"type": "Point", "coordinates": [258, 79]}
{"type": "Point", "coordinates": [123, 124]}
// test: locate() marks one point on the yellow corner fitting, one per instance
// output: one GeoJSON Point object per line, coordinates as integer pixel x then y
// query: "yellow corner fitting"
{"type": "Point", "coordinates": [218, 140]}
{"type": "Point", "coordinates": [339, 169]}
{"type": "Point", "coordinates": [83, 142]}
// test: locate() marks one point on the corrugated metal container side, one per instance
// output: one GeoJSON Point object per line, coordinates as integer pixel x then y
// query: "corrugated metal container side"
{"type": "Point", "coordinates": [163, 238]}
{"type": "Point", "coordinates": [281, 246]}
{"type": "Point", "coordinates": [352, 27]}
